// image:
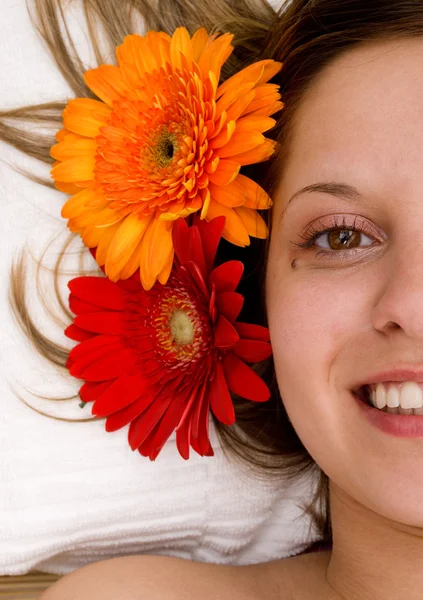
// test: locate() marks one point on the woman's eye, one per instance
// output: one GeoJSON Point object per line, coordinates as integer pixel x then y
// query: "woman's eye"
{"type": "Point", "coordinates": [339, 237]}
{"type": "Point", "coordinates": [342, 239]}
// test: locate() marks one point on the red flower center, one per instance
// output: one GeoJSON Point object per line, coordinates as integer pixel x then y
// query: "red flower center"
{"type": "Point", "coordinates": [179, 325]}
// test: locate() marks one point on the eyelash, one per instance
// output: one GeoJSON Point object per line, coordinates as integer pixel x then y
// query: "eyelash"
{"type": "Point", "coordinates": [312, 234]}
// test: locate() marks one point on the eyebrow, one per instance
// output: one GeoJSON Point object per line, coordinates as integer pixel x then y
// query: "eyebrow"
{"type": "Point", "coordinates": [343, 190]}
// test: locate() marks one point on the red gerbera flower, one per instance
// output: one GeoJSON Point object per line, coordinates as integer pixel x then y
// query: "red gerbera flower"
{"type": "Point", "coordinates": [162, 359]}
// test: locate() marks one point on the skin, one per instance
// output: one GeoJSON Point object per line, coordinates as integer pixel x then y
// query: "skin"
{"type": "Point", "coordinates": [359, 311]}
{"type": "Point", "coordinates": [337, 319]}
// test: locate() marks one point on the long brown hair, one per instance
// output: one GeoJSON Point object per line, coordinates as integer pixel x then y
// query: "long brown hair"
{"type": "Point", "coordinates": [305, 35]}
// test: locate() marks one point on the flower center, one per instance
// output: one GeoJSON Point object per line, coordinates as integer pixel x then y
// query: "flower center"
{"type": "Point", "coordinates": [181, 328]}
{"type": "Point", "coordinates": [165, 147]}
{"type": "Point", "coordinates": [182, 325]}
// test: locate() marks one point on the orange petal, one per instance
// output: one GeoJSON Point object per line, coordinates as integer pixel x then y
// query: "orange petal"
{"type": "Point", "coordinates": [212, 165]}
{"type": "Point", "coordinates": [165, 272]}
{"type": "Point", "coordinates": [68, 188]}
{"type": "Point", "coordinates": [98, 200]}
{"type": "Point", "coordinates": [199, 42]}
{"type": "Point", "coordinates": [254, 122]}
{"type": "Point", "coordinates": [224, 136]}
{"type": "Point", "coordinates": [215, 55]}
{"type": "Point", "coordinates": [250, 74]}
{"type": "Point", "coordinates": [124, 243]}
{"type": "Point", "coordinates": [230, 97]}
{"type": "Point", "coordinates": [205, 194]}
{"type": "Point", "coordinates": [185, 212]}
{"type": "Point", "coordinates": [270, 69]}
{"type": "Point", "coordinates": [64, 134]}
{"type": "Point", "coordinates": [91, 236]}
{"type": "Point", "coordinates": [234, 231]}
{"type": "Point", "coordinates": [106, 82]}
{"type": "Point", "coordinates": [229, 195]}
{"type": "Point", "coordinates": [85, 116]}
{"type": "Point", "coordinates": [94, 218]}
{"type": "Point", "coordinates": [226, 172]}
{"type": "Point", "coordinates": [255, 196]}
{"type": "Point", "coordinates": [136, 51]}
{"type": "Point", "coordinates": [258, 72]}
{"type": "Point", "coordinates": [132, 264]}
{"type": "Point", "coordinates": [181, 43]}
{"type": "Point", "coordinates": [256, 155]}
{"type": "Point", "coordinates": [265, 94]}
{"type": "Point", "coordinates": [242, 141]}
{"type": "Point", "coordinates": [236, 109]}
{"type": "Point", "coordinates": [81, 147]}
{"type": "Point", "coordinates": [161, 50]}
{"type": "Point", "coordinates": [103, 246]}
{"type": "Point", "coordinates": [253, 222]}
{"type": "Point", "coordinates": [75, 205]}
{"type": "Point", "coordinates": [268, 110]}
{"type": "Point", "coordinates": [74, 169]}
{"type": "Point", "coordinates": [155, 248]}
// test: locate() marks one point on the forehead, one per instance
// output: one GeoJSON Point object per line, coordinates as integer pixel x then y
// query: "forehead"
{"type": "Point", "coordinates": [361, 120]}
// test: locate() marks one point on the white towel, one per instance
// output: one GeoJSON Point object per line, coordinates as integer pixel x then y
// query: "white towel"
{"type": "Point", "coordinates": [70, 493]}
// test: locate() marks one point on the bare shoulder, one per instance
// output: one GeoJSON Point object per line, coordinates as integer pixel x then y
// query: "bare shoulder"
{"type": "Point", "coordinates": [302, 576]}
{"type": "Point", "coordinates": [158, 578]}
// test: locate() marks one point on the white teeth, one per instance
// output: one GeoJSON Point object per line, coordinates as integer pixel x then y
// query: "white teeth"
{"type": "Point", "coordinates": [393, 397]}
{"type": "Point", "coordinates": [408, 396]}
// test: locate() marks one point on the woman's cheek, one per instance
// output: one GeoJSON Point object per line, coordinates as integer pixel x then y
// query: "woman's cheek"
{"type": "Point", "coordinates": [313, 326]}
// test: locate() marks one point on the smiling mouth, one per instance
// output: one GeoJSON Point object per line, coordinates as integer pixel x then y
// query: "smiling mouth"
{"type": "Point", "coordinates": [363, 393]}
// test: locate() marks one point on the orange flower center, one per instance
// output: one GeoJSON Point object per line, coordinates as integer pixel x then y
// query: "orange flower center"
{"type": "Point", "coordinates": [163, 148]}
{"type": "Point", "coordinates": [153, 152]}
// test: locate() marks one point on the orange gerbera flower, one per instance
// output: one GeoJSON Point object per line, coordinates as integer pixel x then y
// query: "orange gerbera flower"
{"type": "Point", "coordinates": [164, 141]}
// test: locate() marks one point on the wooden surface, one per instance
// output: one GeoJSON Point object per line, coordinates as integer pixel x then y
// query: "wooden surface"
{"type": "Point", "coordinates": [25, 587]}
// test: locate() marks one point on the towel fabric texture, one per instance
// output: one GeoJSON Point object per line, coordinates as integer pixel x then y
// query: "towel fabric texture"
{"type": "Point", "coordinates": [70, 493]}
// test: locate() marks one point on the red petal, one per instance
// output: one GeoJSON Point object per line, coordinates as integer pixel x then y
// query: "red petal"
{"type": "Point", "coordinates": [124, 390]}
{"type": "Point", "coordinates": [78, 364]}
{"type": "Point", "coordinates": [201, 443]}
{"type": "Point", "coordinates": [242, 380]}
{"type": "Point", "coordinates": [211, 233]}
{"type": "Point", "coordinates": [220, 398]}
{"type": "Point", "coordinates": [78, 306]}
{"type": "Point", "coordinates": [225, 335]}
{"type": "Point", "coordinates": [202, 397]}
{"type": "Point", "coordinates": [109, 367]}
{"type": "Point", "coordinates": [180, 240]}
{"type": "Point", "coordinates": [212, 303]}
{"type": "Point", "coordinates": [76, 333]}
{"type": "Point", "coordinates": [102, 322]}
{"type": "Point", "coordinates": [183, 437]}
{"type": "Point", "coordinates": [195, 272]}
{"type": "Point", "coordinates": [142, 426]}
{"type": "Point", "coordinates": [91, 345]}
{"type": "Point", "coordinates": [131, 285]}
{"type": "Point", "coordinates": [157, 439]}
{"type": "Point", "coordinates": [227, 276]}
{"type": "Point", "coordinates": [124, 416]}
{"type": "Point", "coordinates": [98, 290]}
{"type": "Point", "coordinates": [91, 391]}
{"type": "Point", "coordinates": [184, 428]}
{"type": "Point", "coordinates": [252, 332]}
{"type": "Point", "coordinates": [196, 250]}
{"type": "Point", "coordinates": [230, 304]}
{"type": "Point", "coordinates": [252, 350]}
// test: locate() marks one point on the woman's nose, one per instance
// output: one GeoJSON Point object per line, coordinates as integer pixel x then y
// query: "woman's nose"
{"type": "Point", "coordinates": [399, 301]}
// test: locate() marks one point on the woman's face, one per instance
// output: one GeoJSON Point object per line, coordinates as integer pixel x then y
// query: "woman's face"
{"type": "Point", "coordinates": [351, 306]}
